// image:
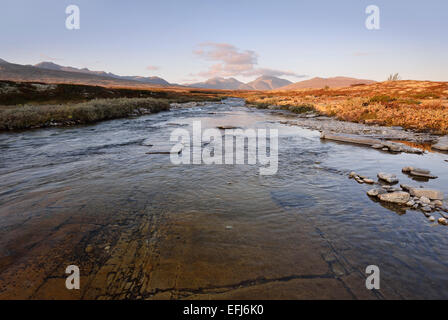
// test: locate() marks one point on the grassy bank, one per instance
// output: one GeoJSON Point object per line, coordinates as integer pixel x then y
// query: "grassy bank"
{"type": "Point", "coordinates": [35, 116]}
{"type": "Point", "coordinates": [25, 105]}
{"type": "Point", "coordinates": [417, 105]}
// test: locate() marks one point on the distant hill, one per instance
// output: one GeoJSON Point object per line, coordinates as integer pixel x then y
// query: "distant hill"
{"type": "Point", "coordinates": [268, 83]}
{"type": "Point", "coordinates": [150, 80]}
{"type": "Point", "coordinates": [318, 83]}
{"type": "Point", "coordinates": [52, 73]}
{"type": "Point", "coordinates": [220, 83]}
{"type": "Point", "coordinates": [261, 83]}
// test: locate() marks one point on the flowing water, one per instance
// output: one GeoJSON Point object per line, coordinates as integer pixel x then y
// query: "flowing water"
{"type": "Point", "coordinates": [140, 227]}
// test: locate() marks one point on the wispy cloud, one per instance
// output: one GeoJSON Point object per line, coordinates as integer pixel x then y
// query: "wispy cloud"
{"type": "Point", "coordinates": [230, 61]}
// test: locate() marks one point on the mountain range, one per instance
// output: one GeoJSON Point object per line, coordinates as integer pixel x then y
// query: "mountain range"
{"type": "Point", "coordinates": [54, 66]}
{"type": "Point", "coordinates": [53, 73]}
{"type": "Point", "coordinates": [261, 83]}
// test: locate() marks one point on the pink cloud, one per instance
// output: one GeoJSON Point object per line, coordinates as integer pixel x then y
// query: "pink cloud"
{"type": "Point", "coordinates": [152, 68]}
{"type": "Point", "coordinates": [231, 61]}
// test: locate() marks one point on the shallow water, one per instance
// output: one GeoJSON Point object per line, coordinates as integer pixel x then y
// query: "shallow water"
{"type": "Point", "coordinates": [160, 230]}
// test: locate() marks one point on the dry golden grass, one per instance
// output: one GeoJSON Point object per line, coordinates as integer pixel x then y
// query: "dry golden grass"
{"type": "Point", "coordinates": [419, 105]}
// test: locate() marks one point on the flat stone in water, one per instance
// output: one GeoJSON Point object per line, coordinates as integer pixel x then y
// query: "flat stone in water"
{"type": "Point", "coordinates": [292, 199]}
{"type": "Point", "coordinates": [399, 197]}
{"type": "Point", "coordinates": [389, 178]}
{"type": "Point", "coordinates": [442, 144]}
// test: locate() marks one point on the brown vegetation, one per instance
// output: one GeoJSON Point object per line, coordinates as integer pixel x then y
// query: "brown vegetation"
{"type": "Point", "coordinates": [419, 105]}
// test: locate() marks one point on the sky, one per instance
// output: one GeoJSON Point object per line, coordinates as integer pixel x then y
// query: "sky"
{"type": "Point", "coordinates": [185, 41]}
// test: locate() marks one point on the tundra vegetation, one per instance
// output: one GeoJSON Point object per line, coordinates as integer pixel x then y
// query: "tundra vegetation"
{"type": "Point", "coordinates": [33, 105]}
{"type": "Point", "coordinates": [417, 105]}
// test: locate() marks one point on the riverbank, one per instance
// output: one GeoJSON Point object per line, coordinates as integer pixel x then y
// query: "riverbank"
{"type": "Point", "coordinates": [416, 105]}
{"type": "Point", "coordinates": [40, 116]}
{"type": "Point", "coordinates": [26, 105]}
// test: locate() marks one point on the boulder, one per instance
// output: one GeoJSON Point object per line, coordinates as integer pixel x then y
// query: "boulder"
{"type": "Point", "coordinates": [389, 178]}
{"type": "Point", "coordinates": [428, 193]}
{"type": "Point", "coordinates": [398, 197]}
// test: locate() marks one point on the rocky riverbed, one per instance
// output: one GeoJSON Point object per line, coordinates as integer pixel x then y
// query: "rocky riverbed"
{"type": "Point", "coordinates": [428, 201]}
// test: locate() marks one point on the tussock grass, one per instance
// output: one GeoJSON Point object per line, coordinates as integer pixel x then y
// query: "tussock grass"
{"type": "Point", "coordinates": [33, 116]}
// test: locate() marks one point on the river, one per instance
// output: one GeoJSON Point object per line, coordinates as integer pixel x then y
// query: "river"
{"type": "Point", "coordinates": [140, 227]}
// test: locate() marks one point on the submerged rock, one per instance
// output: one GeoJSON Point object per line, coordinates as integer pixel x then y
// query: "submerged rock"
{"type": "Point", "coordinates": [398, 197]}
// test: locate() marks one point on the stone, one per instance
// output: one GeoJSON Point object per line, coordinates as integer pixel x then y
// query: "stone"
{"type": "Point", "coordinates": [377, 146]}
{"type": "Point", "coordinates": [398, 197]}
{"type": "Point", "coordinates": [416, 170]}
{"type": "Point", "coordinates": [432, 219]}
{"type": "Point", "coordinates": [431, 194]}
{"type": "Point", "coordinates": [443, 221]}
{"type": "Point", "coordinates": [375, 192]}
{"type": "Point", "coordinates": [442, 144]}
{"type": "Point", "coordinates": [425, 200]}
{"type": "Point", "coordinates": [389, 178]}
{"type": "Point", "coordinates": [426, 209]}
{"type": "Point", "coordinates": [359, 180]}
{"type": "Point", "coordinates": [410, 203]}
{"type": "Point", "coordinates": [405, 187]}
{"type": "Point", "coordinates": [438, 203]}
{"type": "Point", "coordinates": [369, 181]}
{"type": "Point", "coordinates": [89, 248]}
{"type": "Point", "coordinates": [423, 175]}
{"type": "Point", "coordinates": [107, 248]}
{"type": "Point", "coordinates": [352, 174]}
